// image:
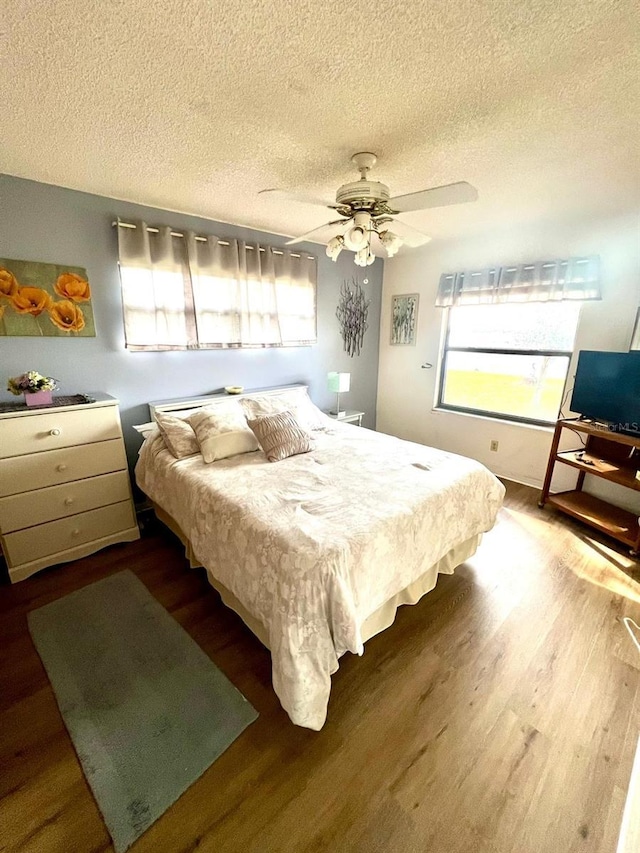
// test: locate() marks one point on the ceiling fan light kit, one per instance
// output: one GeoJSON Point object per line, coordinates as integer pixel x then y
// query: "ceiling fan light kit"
{"type": "Point", "coordinates": [390, 241]}
{"type": "Point", "coordinates": [358, 235]}
{"type": "Point", "coordinates": [368, 209]}
{"type": "Point", "coordinates": [364, 257]}
{"type": "Point", "coordinates": [335, 246]}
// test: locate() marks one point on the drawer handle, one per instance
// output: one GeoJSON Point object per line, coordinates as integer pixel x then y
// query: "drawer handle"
{"type": "Point", "coordinates": [55, 431]}
{"type": "Point", "coordinates": [75, 532]}
{"type": "Point", "coordinates": [68, 501]}
{"type": "Point", "coordinates": [61, 467]}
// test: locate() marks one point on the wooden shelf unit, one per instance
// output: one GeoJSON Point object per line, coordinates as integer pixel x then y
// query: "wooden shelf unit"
{"type": "Point", "coordinates": [609, 455]}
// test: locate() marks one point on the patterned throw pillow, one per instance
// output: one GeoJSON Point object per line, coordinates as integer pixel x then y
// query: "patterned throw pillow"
{"type": "Point", "coordinates": [294, 400]}
{"type": "Point", "coordinates": [178, 435]}
{"type": "Point", "coordinates": [222, 431]}
{"type": "Point", "coordinates": [281, 436]}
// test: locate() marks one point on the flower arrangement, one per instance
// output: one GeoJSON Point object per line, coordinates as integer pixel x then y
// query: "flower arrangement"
{"type": "Point", "coordinates": [31, 382]}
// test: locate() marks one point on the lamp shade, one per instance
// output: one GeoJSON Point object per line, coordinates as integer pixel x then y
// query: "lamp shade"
{"type": "Point", "coordinates": [390, 241]}
{"type": "Point", "coordinates": [355, 238]}
{"type": "Point", "coordinates": [338, 382]}
{"type": "Point", "coordinates": [335, 246]}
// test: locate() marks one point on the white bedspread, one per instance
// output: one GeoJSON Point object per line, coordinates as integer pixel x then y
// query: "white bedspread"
{"type": "Point", "coordinates": [313, 545]}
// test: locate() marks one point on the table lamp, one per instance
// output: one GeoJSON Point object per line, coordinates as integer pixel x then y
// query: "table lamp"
{"type": "Point", "coordinates": [338, 383]}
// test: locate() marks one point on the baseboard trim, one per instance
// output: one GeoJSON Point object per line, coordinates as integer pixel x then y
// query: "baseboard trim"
{"type": "Point", "coordinates": [532, 483]}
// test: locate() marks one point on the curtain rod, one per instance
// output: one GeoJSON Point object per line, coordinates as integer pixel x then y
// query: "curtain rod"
{"type": "Point", "coordinates": [152, 230]}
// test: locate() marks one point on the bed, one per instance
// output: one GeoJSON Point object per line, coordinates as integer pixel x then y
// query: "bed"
{"type": "Point", "coordinates": [316, 552]}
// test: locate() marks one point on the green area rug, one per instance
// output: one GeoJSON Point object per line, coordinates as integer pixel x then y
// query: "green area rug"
{"type": "Point", "coordinates": [146, 709]}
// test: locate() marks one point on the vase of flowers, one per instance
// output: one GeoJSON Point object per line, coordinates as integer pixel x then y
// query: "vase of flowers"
{"type": "Point", "coordinates": [37, 389]}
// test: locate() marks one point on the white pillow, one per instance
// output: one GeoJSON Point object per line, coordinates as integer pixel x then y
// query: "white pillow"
{"type": "Point", "coordinates": [145, 430]}
{"type": "Point", "coordinates": [222, 431]}
{"type": "Point", "coordinates": [294, 400]}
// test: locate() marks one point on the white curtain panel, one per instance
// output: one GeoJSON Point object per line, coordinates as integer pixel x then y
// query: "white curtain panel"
{"type": "Point", "coordinates": [234, 293]}
{"type": "Point", "coordinates": [544, 281]}
{"type": "Point", "coordinates": [156, 289]}
{"type": "Point", "coordinates": [216, 289]}
{"type": "Point", "coordinates": [295, 282]}
{"type": "Point", "coordinates": [251, 295]}
{"type": "Point", "coordinates": [204, 292]}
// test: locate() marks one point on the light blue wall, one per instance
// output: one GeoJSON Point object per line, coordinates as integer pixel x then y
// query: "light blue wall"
{"type": "Point", "coordinates": [45, 223]}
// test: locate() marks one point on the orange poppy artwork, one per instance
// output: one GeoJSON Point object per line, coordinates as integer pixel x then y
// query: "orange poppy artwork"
{"type": "Point", "coordinates": [39, 299]}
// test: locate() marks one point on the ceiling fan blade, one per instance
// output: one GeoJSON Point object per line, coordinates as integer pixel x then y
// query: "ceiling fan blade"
{"type": "Point", "coordinates": [294, 195]}
{"type": "Point", "coordinates": [458, 193]}
{"type": "Point", "coordinates": [410, 236]}
{"type": "Point", "coordinates": [314, 231]}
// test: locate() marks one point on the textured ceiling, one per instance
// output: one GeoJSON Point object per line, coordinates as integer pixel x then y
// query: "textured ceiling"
{"type": "Point", "coordinates": [195, 106]}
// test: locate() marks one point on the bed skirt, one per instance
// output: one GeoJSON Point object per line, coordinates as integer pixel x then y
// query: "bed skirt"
{"type": "Point", "coordinates": [378, 621]}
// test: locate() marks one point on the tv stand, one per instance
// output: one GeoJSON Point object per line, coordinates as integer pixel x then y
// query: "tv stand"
{"type": "Point", "coordinates": [610, 455]}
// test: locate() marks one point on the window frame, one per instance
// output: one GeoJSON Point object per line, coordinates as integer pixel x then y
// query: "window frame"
{"type": "Point", "coordinates": [447, 407]}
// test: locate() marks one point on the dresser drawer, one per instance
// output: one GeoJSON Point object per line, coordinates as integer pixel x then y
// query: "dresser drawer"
{"type": "Point", "coordinates": [30, 508]}
{"type": "Point", "coordinates": [35, 433]}
{"type": "Point", "coordinates": [25, 546]}
{"type": "Point", "coordinates": [27, 473]}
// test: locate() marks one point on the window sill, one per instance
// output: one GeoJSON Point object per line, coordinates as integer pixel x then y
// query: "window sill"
{"type": "Point", "coordinates": [436, 410]}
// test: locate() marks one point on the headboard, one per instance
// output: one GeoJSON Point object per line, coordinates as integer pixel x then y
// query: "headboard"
{"type": "Point", "coordinates": [183, 405]}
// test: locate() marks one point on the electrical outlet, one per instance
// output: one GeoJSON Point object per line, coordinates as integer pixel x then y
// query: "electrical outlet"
{"type": "Point", "coordinates": [493, 446]}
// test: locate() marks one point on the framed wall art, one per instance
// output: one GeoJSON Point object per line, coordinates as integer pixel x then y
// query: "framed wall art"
{"type": "Point", "coordinates": [404, 319]}
{"type": "Point", "coordinates": [38, 299]}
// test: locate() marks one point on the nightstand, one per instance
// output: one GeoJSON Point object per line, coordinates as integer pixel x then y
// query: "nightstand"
{"type": "Point", "coordinates": [349, 417]}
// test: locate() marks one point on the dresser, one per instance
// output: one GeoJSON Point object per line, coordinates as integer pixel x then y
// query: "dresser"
{"type": "Point", "coordinates": [64, 484]}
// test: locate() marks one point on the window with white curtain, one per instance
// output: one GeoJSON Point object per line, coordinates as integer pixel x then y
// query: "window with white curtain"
{"type": "Point", "coordinates": [182, 291]}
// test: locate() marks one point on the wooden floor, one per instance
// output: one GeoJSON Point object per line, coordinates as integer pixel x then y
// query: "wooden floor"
{"type": "Point", "coordinates": [499, 715]}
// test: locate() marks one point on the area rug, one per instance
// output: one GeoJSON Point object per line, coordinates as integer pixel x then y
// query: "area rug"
{"type": "Point", "coordinates": [146, 709]}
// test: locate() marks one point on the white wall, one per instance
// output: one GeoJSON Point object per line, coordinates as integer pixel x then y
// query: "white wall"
{"type": "Point", "coordinates": [406, 392]}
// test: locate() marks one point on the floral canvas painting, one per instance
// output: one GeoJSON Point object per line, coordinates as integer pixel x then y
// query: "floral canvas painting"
{"type": "Point", "coordinates": [39, 299]}
{"type": "Point", "coordinates": [404, 317]}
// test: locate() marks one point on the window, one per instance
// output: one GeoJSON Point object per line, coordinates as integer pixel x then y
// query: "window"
{"type": "Point", "coordinates": [183, 291]}
{"type": "Point", "coordinates": [508, 360]}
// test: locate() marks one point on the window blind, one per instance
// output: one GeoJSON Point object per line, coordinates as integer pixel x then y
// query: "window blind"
{"type": "Point", "coordinates": [544, 281]}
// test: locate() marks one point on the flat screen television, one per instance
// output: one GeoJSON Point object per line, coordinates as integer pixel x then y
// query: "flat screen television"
{"type": "Point", "coordinates": [607, 389]}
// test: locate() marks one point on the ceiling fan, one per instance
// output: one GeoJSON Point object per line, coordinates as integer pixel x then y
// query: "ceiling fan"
{"type": "Point", "coordinates": [369, 211]}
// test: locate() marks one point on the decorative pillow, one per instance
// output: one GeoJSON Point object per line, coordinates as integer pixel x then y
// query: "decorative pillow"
{"type": "Point", "coordinates": [154, 444]}
{"type": "Point", "coordinates": [281, 435]}
{"type": "Point", "coordinates": [294, 400]}
{"type": "Point", "coordinates": [222, 431]}
{"type": "Point", "coordinates": [178, 435]}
